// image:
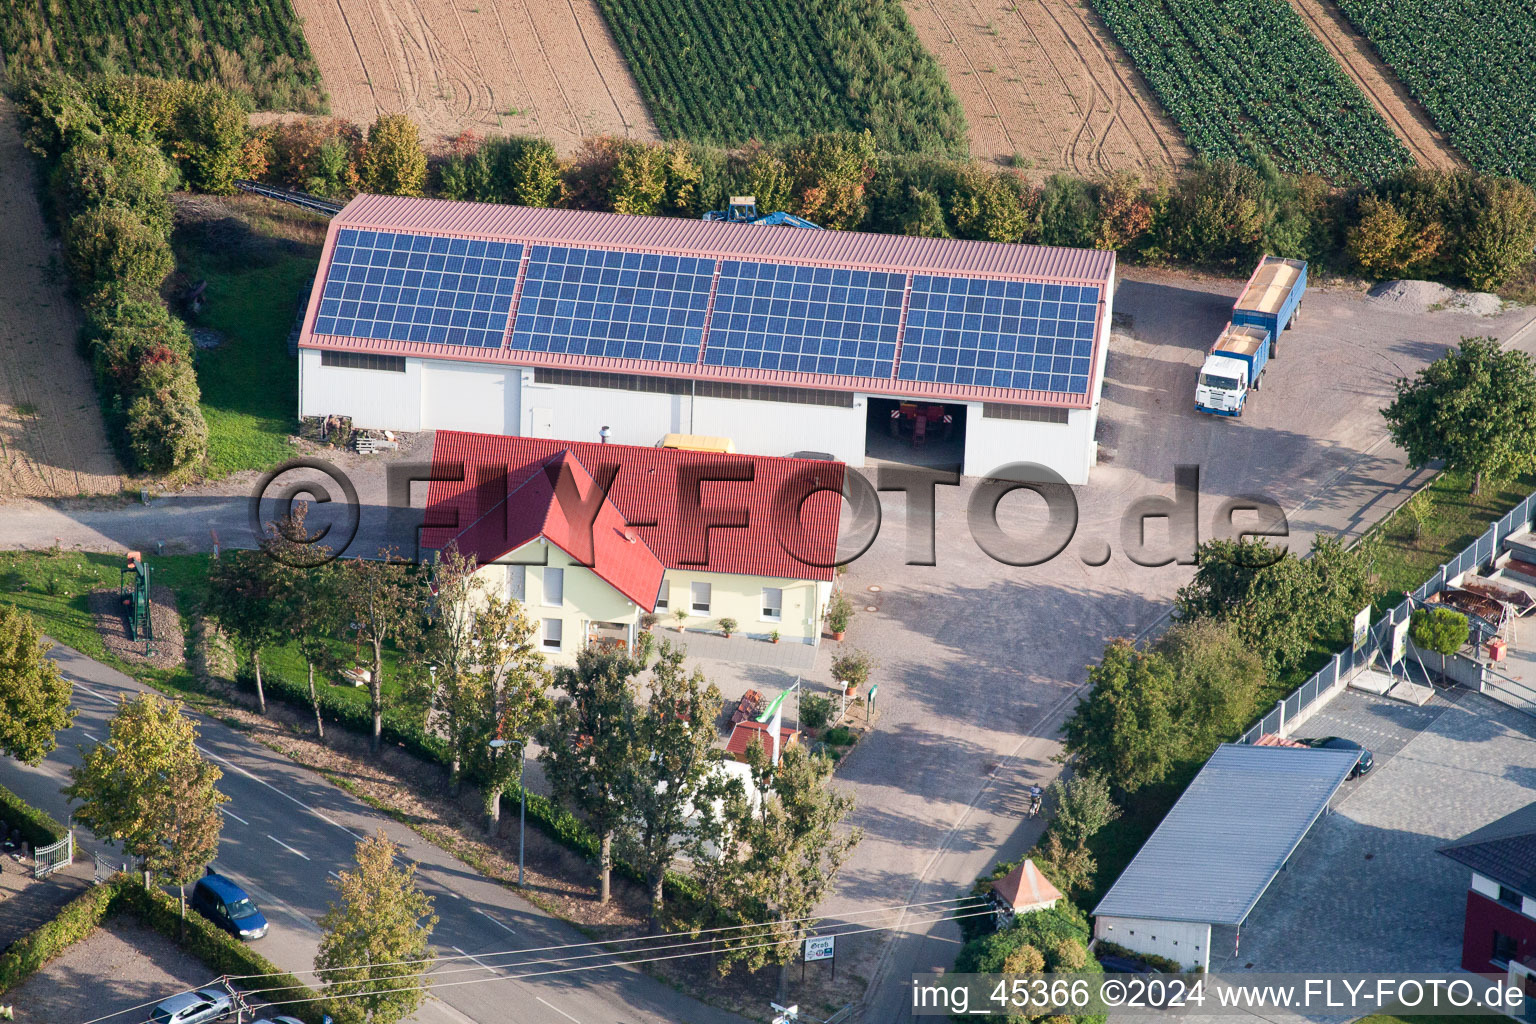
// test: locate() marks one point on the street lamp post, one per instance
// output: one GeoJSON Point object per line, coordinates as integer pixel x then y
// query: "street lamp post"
{"type": "Point", "coordinates": [522, 798]}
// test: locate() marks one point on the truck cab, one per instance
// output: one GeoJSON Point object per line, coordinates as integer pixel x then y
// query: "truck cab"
{"type": "Point", "coordinates": [1234, 367]}
{"type": "Point", "coordinates": [1223, 386]}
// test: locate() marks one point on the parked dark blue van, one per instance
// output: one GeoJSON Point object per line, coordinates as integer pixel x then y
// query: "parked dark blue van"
{"type": "Point", "coordinates": [228, 906]}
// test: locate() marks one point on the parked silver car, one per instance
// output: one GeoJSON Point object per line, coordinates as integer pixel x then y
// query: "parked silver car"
{"type": "Point", "coordinates": [200, 1007]}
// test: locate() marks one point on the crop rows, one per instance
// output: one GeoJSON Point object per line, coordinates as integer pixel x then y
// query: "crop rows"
{"type": "Point", "coordinates": [253, 46]}
{"type": "Point", "coordinates": [1246, 77]}
{"type": "Point", "coordinates": [727, 71]}
{"type": "Point", "coordinates": [1472, 64]}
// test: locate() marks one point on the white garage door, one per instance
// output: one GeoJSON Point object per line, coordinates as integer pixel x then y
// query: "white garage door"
{"type": "Point", "coordinates": [464, 398]}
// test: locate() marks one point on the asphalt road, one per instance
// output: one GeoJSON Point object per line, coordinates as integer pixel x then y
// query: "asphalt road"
{"type": "Point", "coordinates": [287, 832]}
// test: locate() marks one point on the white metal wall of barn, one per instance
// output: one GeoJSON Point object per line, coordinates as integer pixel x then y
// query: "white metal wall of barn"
{"type": "Point", "coordinates": [1185, 941]}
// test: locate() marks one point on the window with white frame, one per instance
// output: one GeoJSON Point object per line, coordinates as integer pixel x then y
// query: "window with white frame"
{"type": "Point", "coordinates": [554, 587]}
{"type": "Point", "coordinates": [661, 598]}
{"type": "Point", "coordinates": [700, 595]}
{"type": "Point", "coordinates": [517, 582]}
{"type": "Point", "coordinates": [773, 604]}
{"type": "Point", "coordinates": [554, 632]}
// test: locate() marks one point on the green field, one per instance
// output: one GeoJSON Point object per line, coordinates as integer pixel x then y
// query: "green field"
{"type": "Point", "coordinates": [1246, 77]}
{"type": "Point", "coordinates": [255, 47]}
{"type": "Point", "coordinates": [1472, 64]}
{"type": "Point", "coordinates": [255, 261]}
{"type": "Point", "coordinates": [728, 71]}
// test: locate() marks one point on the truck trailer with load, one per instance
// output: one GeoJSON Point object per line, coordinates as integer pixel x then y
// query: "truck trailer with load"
{"type": "Point", "coordinates": [1235, 366]}
{"type": "Point", "coordinates": [1267, 307]}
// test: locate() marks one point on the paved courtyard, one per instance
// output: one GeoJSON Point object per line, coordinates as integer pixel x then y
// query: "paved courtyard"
{"type": "Point", "coordinates": [1367, 891]}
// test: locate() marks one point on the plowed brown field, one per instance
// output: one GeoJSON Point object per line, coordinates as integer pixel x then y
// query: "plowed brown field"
{"type": "Point", "coordinates": [1044, 86]}
{"type": "Point", "coordinates": [538, 67]}
{"type": "Point", "coordinates": [52, 444]}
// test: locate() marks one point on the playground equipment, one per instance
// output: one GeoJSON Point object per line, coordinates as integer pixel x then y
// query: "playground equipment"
{"type": "Point", "coordinates": [133, 594]}
{"type": "Point", "coordinates": [743, 210]}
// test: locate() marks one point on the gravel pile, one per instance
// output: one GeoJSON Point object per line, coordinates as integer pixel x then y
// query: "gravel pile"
{"type": "Point", "coordinates": [1412, 296]}
{"type": "Point", "coordinates": [112, 624]}
{"type": "Point", "coordinates": [1477, 303]}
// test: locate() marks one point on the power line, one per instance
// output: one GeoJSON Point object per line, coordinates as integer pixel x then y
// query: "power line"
{"type": "Point", "coordinates": [566, 970]}
{"type": "Point", "coordinates": [932, 906]}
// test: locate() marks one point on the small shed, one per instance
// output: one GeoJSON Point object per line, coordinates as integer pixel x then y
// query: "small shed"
{"type": "Point", "coordinates": [1022, 890]}
{"type": "Point", "coordinates": [1219, 848]}
{"type": "Point", "coordinates": [745, 732]}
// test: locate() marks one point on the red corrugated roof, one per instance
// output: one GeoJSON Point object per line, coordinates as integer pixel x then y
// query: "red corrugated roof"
{"type": "Point", "coordinates": [687, 510]}
{"type": "Point", "coordinates": [745, 732]}
{"type": "Point", "coordinates": [672, 235]}
{"type": "Point", "coordinates": [853, 249]}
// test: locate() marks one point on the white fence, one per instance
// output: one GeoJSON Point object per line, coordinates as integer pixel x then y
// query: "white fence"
{"type": "Point", "coordinates": [1344, 665]}
{"type": "Point", "coordinates": [48, 859]}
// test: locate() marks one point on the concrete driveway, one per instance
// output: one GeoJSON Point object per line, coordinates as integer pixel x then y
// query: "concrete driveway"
{"type": "Point", "coordinates": [1367, 891]}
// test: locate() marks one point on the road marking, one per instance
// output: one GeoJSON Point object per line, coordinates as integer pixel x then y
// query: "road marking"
{"type": "Point", "coordinates": [557, 1009]}
{"type": "Point", "coordinates": [338, 878]}
{"type": "Point", "coordinates": [493, 921]}
{"type": "Point", "coordinates": [285, 846]}
{"type": "Point", "coordinates": [93, 736]}
{"type": "Point", "coordinates": [232, 814]}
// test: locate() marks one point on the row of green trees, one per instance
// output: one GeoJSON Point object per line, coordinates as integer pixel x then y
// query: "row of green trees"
{"type": "Point", "coordinates": [628, 739]}
{"type": "Point", "coordinates": [1459, 226]}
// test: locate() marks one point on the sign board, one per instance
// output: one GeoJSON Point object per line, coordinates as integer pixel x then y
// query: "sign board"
{"type": "Point", "coordinates": [819, 947]}
{"type": "Point", "coordinates": [1362, 628]}
{"type": "Point", "coordinates": [1399, 641]}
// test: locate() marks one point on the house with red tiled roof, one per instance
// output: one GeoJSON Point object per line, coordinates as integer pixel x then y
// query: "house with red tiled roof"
{"type": "Point", "coordinates": [591, 538]}
{"type": "Point", "coordinates": [428, 314]}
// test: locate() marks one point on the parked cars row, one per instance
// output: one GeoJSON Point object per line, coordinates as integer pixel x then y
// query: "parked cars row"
{"type": "Point", "coordinates": [203, 1007]}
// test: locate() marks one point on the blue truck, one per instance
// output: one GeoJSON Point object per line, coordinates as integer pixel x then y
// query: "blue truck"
{"type": "Point", "coordinates": [1267, 307]}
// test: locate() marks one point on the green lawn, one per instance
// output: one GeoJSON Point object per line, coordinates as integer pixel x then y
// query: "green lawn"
{"type": "Point", "coordinates": [53, 588]}
{"type": "Point", "coordinates": [1402, 563]}
{"type": "Point", "coordinates": [255, 256]}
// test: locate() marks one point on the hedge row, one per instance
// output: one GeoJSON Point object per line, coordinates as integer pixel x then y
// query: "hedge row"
{"type": "Point", "coordinates": [113, 148]}
{"type": "Point", "coordinates": [38, 828]}
{"type": "Point", "coordinates": [197, 935]}
{"type": "Point", "coordinates": [78, 919]}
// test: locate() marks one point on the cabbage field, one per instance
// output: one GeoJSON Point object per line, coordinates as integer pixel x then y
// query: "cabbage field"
{"type": "Point", "coordinates": [728, 71]}
{"type": "Point", "coordinates": [1246, 77]}
{"type": "Point", "coordinates": [255, 47]}
{"type": "Point", "coordinates": [1472, 64]}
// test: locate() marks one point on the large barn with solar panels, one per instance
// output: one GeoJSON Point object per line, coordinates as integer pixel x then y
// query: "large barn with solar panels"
{"type": "Point", "coordinates": [429, 314]}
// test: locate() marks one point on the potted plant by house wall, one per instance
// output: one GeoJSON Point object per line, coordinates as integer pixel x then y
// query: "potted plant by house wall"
{"type": "Point", "coordinates": [852, 670]}
{"type": "Point", "coordinates": [839, 611]}
{"type": "Point", "coordinates": [681, 615]}
{"type": "Point", "coordinates": [728, 626]}
{"type": "Point", "coordinates": [773, 636]}
{"type": "Point", "coordinates": [647, 621]}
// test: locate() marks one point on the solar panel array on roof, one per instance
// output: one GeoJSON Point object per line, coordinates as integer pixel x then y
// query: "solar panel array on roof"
{"type": "Point", "coordinates": [779, 316]}
{"type": "Point", "coordinates": [626, 305]}
{"type": "Point", "coordinates": [926, 316]}
{"type": "Point", "coordinates": [1007, 334]}
{"type": "Point", "coordinates": [404, 287]}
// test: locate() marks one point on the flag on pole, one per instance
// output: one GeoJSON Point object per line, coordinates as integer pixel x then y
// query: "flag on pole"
{"type": "Point", "coordinates": [775, 708]}
{"type": "Point", "coordinates": [776, 726]}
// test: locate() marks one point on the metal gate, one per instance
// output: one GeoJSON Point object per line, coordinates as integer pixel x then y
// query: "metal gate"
{"type": "Point", "coordinates": [48, 859]}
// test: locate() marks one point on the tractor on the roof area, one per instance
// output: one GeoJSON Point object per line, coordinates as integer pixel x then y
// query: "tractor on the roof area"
{"type": "Point", "coordinates": [743, 210]}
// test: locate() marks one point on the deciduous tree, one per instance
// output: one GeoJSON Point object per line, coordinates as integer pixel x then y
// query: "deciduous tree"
{"type": "Point", "coordinates": [1083, 806]}
{"type": "Point", "coordinates": [374, 954]}
{"type": "Point", "coordinates": [244, 590]}
{"type": "Point", "coordinates": [590, 747]}
{"type": "Point", "coordinates": [148, 788]}
{"type": "Point", "coordinates": [385, 601]}
{"type": "Point", "coordinates": [798, 840]}
{"type": "Point", "coordinates": [675, 743]}
{"type": "Point", "coordinates": [305, 584]}
{"type": "Point", "coordinates": [1216, 682]}
{"type": "Point", "coordinates": [1475, 408]}
{"type": "Point", "coordinates": [34, 695]}
{"type": "Point", "coordinates": [1124, 727]}
{"type": "Point", "coordinates": [394, 163]}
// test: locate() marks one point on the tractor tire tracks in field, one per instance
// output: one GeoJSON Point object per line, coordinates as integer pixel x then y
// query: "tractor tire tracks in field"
{"type": "Point", "coordinates": [488, 66]}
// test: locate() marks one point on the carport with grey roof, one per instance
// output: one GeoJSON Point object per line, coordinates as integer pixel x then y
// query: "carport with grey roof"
{"type": "Point", "coordinates": [1219, 848]}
